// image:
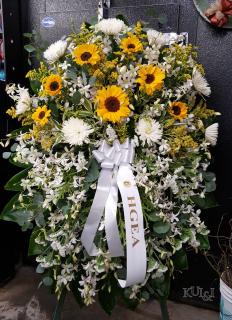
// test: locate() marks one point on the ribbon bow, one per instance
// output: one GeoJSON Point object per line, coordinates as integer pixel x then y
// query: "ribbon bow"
{"type": "Point", "coordinates": [219, 12]}
{"type": "Point", "coordinates": [116, 175]}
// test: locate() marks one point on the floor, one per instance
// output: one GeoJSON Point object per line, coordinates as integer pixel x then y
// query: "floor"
{"type": "Point", "coordinates": [21, 299]}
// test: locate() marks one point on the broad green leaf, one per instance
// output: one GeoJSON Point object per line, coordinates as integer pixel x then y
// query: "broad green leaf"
{"type": "Point", "coordinates": [210, 186]}
{"type": "Point", "coordinates": [76, 98]}
{"type": "Point", "coordinates": [180, 260]}
{"type": "Point", "coordinates": [35, 248]}
{"type": "Point", "coordinates": [48, 281]}
{"type": "Point", "coordinates": [35, 85]}
{"type": "Point", "coordinates": [9, 207]}
{"type": "Point", "coordinates": [161, 227]}
{"type": "Point", "coordinates": [93, 172]}
{"type": "Point", "coordinates": [14, 183]}
{"type": "Point", "coordinates": [161, 286]}
{"type": "Point", "coordinates": [153, 217]}
{"type": "Point", "coordinates": [19, 164]}
{"type": "Point", "coordinates": [29, 48]}
{"type": "Point", "coordinates": [6, 155]}
{"type": "Point", "coordinates": [204, 241]}
{"type": "Point", "coordinates": [205, 203]}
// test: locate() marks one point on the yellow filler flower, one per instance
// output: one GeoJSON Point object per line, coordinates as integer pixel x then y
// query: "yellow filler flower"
{"type": "Point", "coordinates": [178, 110]}
{"type": "Point", "coordinates": [150, 79]}
{"type": "Point", "coordinates": [41, 115]}
{"type": "Point", "coordinates": [86, 54]}
{"type": "Point", "coordinates": [131, 45]}
{"type": "Point", "coordinates": [52, 85]}
{"type": "Point", "coordinates": [113, 104]}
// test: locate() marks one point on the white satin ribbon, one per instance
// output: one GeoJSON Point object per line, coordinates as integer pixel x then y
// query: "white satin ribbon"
{"type": "Point", "coordinates": [116, 174]}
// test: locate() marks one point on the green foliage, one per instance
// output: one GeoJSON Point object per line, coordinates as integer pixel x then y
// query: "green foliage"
{"type": "Point", "coordinates": [204, 241]}
{"type": "Point", "coordinates": [161, 227]}
{"type": "Point", "coordinates": [34, 248]}
{"type": "Point", "coordinates": [205, 203]}
{"type": "Point", "coordinates": [180, 260]}
{"type": "Point", "coordinates": [161, 286]}
{"type": "Point", "coordinates": [14, 184]}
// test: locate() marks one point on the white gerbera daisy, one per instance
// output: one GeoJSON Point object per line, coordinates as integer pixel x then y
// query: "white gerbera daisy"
{"type": "Point", "coordinates": [211, 134]}
{"type": "Point", "coordinates": [200, 83]}
{"type": "Point", "coordinates": [149, 130]}
{"type": "Point", "coordinates": [55, 51]}
{"type": "Point", "coordinates": [111, 26]}
{"type": "Point", "coordinates": [24, 101]}
{"type": "Point", "coordinates": [76, 131]}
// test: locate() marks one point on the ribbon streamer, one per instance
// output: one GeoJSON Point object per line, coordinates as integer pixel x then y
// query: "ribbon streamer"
{"type": "Point", "coordinates": [116, 175]}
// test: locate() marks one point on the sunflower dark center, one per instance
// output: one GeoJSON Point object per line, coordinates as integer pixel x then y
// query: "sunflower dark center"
{"type": "Point", "coordinates": [54, 86]}
{"type": "Point", "coordinates": [86, 56]}
{"type": "Point", "coordinates": [150, 78]}
{"type": "Point", "coordinates": [131, 46]}
{"type": "Point", "coordinates": [41, 115]}
{"type": "Point", "coordinates": [112, 104]}
{"type": "Point", "coordinates": [176, 110]}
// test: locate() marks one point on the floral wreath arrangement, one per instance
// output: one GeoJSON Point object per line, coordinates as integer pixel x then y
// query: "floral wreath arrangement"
{"type": "Point", "coordinates": [114, 145]}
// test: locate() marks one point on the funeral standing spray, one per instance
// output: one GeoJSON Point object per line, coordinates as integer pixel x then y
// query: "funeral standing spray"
{"type": "Point", "coordinates": [115, 148]}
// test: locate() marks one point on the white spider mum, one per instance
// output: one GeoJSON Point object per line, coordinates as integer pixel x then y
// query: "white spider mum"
{"type": "Point", "coordinates": [149, 130]}
{"type": "Point", "coordinates": [76, 131]}
{"type": "Point", "coordinates": [24, 101]}
{"type": "Point", "coordinates": [111, 26]}
{"type": "Point", "coordinates": [55, 51]}
{"type": "Point", "coordinates": [211, 134]}
{"type": "Point", "coordinates": [200, 83]}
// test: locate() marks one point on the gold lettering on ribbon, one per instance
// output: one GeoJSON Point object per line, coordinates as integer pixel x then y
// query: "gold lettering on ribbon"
{"type": "Point", "coordinates": [133, 219]}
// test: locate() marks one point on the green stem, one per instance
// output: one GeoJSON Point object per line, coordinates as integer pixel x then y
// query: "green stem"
{"type": "Point", "coordinates": [59, 306]}
{"type": "Point", "coordinates": [164, 309]}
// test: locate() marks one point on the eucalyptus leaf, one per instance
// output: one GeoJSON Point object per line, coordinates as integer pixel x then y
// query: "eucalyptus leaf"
{"type": "Point", "coordinates": [47, 281]}
{"type": "Point", "coordinates": [6, 155]}
{"type": "Point", "coordinates": [161, 227]}
{"type": "Point", "coordinates": [29, 48]}
{"type": "Point", "coordinates": [180, 260]}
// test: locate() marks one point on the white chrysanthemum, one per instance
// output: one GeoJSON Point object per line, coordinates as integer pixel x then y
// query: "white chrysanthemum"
{"type": "Point", "coordinates": [76, 131]}
{"type": "Point", "coordinates": [24, 101]}
{"type": "Point", "coordinates": [111, 26]}
{"type": "Point", "coordinates": [200, 83]}
{"type": "Point", "coordinates": [211, 134]}
{"type": "Point", "coordinates": [149, 130]}
{"type": "Point", "coordinates": [55, 51]}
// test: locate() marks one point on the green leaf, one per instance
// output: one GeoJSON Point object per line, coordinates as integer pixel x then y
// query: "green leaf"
{"type": "Point", "coordinates": [14, 147]}
{"type": "Point", "coordinates": [180, 260]}
{"type": "Point", "coordinates": [204, 241]}
{"type": "Point", "coordinates": [55, 111]}
{"type": "Point", "coordinates": [161, 286]}
{"type": "Point", "coordinates": [93, 172]}
{"type": "Point", "coordinates": [9, 207]}
{"type": "Point", "coordinates": [35, 85]}
{"type": "Point", "coordinates": [14, 183]}
{"type": "Point", "coordinates": [76, 98]}
{"type": "Point", "coordinates": [161, 227]}
{"type": "Point", "coordinates": [209, 176]}
{"type": "Point", "coordinates": [153, 217]}
{"type": "Point", "coordinates": [107, 300]}
{"type": "Point", "coordinates": [6, 155]}
{"type": "Point", "coordinates": [19, 164]}
{"type": "Point", "coordinates": [29, 48]}
{"type": "Point", "coordinates": [35, 248]}
{"type": "Point", "coordinates": [27, 35]}
{"type": "Point", "coordinates": [121, 17]}
{"type": "Point", "coordinates": [39, 269]}
{"type": "Point", "coordinates": [205, 203]}
{"type": "Point", "coordinates": [48, 281]}
{"type": "Point", "coordinates": [210, 186]}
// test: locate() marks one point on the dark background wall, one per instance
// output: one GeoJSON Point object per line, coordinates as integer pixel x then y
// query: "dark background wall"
{"type": "Point", "coordinates": [214, 47]}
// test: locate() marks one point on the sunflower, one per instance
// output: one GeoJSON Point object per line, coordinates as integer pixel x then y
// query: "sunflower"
{"type": "Point", "coordinates": [41, 115]}
{"type": "Point", "coordinates": [131, 44]}
{"type": "Point", "coordinates": [178, 110]}
{"type": "Point", "coordinates": [86, 54]}
{"type": "Point", "coordinates": [150, 79]}
{"type": "Point", "coordinates": [52, 85]}
{"type": "Point", "coordinates": [113, 104]}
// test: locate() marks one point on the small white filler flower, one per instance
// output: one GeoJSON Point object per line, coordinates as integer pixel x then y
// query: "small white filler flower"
{"type": "Point", "coordinates": [211, 134]}
{"type": "Point", "coordinates": [55, 51]}
{"type": "Point", "coordinates": [111, 26]}
{"type": "Point", "coordinates": [76, 131]}
{"type": "Point", "coordinates": [200, 83]}
{"type": "Point", "coordinates": [149, 130]}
